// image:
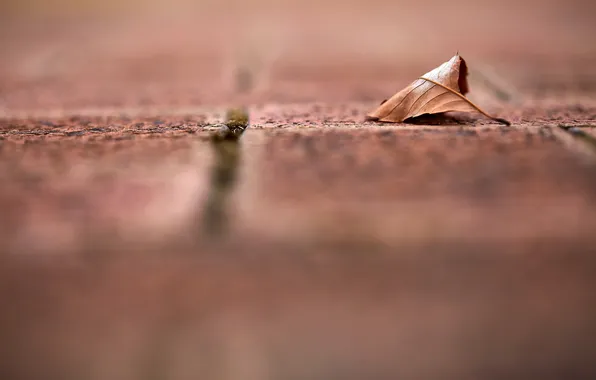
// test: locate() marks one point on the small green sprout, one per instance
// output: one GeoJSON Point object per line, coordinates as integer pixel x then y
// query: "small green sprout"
{"type": "Point", "coordinates": [237, 118]}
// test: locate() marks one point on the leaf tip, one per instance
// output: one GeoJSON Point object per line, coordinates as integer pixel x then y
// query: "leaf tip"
{"type": "Point", "coordinates": [502, 121]}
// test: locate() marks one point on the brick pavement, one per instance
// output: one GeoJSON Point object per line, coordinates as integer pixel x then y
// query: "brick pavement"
{"type": "Point", "coordinates": [454, 248]}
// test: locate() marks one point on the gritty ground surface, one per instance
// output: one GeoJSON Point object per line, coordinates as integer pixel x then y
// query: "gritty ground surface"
{"type": "Point", "coordinates": [449, 248]}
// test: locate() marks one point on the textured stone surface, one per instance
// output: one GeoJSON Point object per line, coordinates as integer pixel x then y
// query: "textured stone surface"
{"type": "Point", "coordinates": [452, 248]}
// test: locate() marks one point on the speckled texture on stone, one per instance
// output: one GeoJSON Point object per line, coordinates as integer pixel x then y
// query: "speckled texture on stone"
{"type": "Point", "coordinates": [452, 248]}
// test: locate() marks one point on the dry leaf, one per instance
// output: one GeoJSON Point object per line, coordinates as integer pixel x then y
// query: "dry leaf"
{"type": "Point", "coordinates": [440, 90]}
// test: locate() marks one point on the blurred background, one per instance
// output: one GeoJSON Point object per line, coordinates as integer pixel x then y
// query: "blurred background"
{"type": "Point", "coordinates": [85, 54]}
{"type": "Point", "coordinates": [451, 248]}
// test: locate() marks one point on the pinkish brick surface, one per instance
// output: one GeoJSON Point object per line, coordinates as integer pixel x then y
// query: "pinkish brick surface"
{"type": "Point", "coordinates": [452, 248]}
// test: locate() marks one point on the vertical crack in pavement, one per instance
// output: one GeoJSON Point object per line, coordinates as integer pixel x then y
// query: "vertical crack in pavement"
{"type": "Point", "coordinates": [575, 138]}
{"type": "Point", "coordinates": [227, 151]}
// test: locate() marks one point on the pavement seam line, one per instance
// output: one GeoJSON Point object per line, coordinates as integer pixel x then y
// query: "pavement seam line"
{"type": "Point", "coordinates": [576, 140]}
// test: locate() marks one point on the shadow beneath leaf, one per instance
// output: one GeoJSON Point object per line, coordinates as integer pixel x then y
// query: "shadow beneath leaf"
{"type": "Point", "coordinates": [449, 118]}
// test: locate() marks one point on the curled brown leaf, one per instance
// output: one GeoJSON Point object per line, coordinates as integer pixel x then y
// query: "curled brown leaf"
{"type": "Point", "coordinates": [440, 90]}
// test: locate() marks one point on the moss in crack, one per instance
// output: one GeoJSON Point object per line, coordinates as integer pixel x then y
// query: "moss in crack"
{"type": "Point", "coordinates": [237, 119]}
